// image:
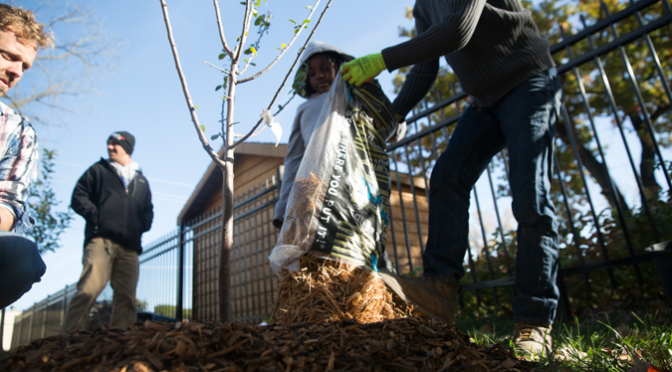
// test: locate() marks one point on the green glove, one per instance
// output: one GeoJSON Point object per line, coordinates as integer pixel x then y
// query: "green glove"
{"type": "Point", "coordinates": [363, 69]}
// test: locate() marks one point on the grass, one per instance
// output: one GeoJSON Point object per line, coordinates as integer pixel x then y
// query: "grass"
{"type": "Point", "coordinates": [607, 342]}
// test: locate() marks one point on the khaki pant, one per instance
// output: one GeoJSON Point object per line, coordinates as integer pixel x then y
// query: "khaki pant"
{"type": "Point", "coordinates": [105, 261]}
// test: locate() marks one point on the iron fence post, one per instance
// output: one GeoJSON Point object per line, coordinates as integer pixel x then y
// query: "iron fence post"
{"type": "Point", "coordinates": [180, 272]}
{"type": "Point", "coordinates": [65, 303]}
{"type": "Point", "coordinates": [44, 317]}
{"type": "Point", "coordinates": [32, 323]}
{"type": "Point", "coordinates": [2, 329]}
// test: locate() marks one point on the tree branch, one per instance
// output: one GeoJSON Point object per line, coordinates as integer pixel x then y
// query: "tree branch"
{"type": "Point", "coordinates": [185, 90]}
{"type": "Point", "coordinates": [251, 132]}
{"type": "Point", "coordinates": [660, 111]}
{"type": "Point", "coordinates": [247, 64]}
{"type": "Point", "coordinates": [317, 2]}
{"type": "Point", "coordinates": [246, 27]}
{"type": "Point", "coordinates": [216, 68]}
{"type": "Point", "coordinates": [228, 50]}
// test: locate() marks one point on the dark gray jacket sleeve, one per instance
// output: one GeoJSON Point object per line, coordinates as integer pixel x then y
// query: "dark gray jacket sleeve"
{"type": "Point", "coordinates": [433, 41]}
{"type": "Point", "coordinates": [418, 81]}
{"type": "Point", "coordinates": [295, 150]}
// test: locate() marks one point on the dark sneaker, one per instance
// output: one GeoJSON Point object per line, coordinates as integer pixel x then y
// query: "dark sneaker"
{"type": "Point", "coordinates": [431, 297]}
{"type": "Point", "coordinates": [533, 340]}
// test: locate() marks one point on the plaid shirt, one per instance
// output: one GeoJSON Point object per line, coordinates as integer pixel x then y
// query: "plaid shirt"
{"type": "Point", "coordinates": [18, 165]}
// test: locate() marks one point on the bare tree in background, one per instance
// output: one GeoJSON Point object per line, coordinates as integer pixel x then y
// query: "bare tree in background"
{"type": "Point", "coordinates": [241, 57]}
{"type": "Point", "coordinates": [62, 77]}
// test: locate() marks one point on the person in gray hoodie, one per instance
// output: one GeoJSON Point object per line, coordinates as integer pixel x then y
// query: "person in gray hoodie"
{"type": "Point", "coordinates": [319, 67]}
{"type": "Point", "coordinates": [320, 64]}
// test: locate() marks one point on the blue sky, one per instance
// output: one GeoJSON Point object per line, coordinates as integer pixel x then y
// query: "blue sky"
{"type": "Point", "coordinates": [144, 97]}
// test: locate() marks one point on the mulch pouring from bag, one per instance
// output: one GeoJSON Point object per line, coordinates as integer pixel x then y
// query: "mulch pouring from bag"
{"type": "Point", "coordinates": [408, 344]}
{"type": "Point", "coordinates": [326, 290]}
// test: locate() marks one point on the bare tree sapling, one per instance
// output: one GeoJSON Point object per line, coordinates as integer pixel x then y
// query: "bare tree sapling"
{"type": "Point", "coordinates": [240, 58]}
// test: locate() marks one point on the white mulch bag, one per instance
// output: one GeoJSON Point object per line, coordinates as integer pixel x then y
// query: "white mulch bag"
{"type": "Point", "coordinates": [339, 206]}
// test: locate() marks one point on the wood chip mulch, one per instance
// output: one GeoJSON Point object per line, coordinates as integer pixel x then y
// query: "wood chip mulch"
{"type": "Point", "coordinates": [410, 344]}
{"type": "Point", "coordinates": [327, 291]}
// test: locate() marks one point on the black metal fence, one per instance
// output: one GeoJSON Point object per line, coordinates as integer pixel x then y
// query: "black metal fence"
{"type": "Point", "coordinates": [253, 281]}
{"type": "Point", "coordinates": [616, 101]}
{"type": "Point", "coordinates": [43, 319]}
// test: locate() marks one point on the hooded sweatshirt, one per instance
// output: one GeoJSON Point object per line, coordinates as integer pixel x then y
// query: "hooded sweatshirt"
{"type": "Point", "coordinates": [302, 128]}
{"type": "Point", "coordinates": [112, 209]}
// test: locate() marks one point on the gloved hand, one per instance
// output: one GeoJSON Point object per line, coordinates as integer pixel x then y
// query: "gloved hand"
{"type": "Point", "coordinates": [363, 69]}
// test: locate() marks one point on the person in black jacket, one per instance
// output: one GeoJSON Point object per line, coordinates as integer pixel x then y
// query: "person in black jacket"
{"type": "Point", "coordinates": [114, 198]}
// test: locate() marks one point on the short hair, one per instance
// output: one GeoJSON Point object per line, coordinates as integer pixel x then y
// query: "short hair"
{"type": "Point", "coordinates": [329, 57]}
{"type": "Point", "coordinates": [24, 24]}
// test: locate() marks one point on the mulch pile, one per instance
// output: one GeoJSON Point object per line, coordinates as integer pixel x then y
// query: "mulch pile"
{"type": "Point", "coordinates": [327, 291]}
{"type": "Point", "coordinates": [409, 344]}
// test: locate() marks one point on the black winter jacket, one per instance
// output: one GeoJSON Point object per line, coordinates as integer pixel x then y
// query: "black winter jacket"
{"type": "Point", "coordinates": [109, 210]}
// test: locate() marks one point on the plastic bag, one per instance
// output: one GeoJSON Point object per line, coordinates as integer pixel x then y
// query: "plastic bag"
{"type": "Point", "coordinates": [339, 206]}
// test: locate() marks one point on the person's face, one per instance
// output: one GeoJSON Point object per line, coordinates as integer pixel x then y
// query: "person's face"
{"type": "Point", "coordinates": [16, 56]}
{"type": "Point", "coordinates": [321, 73]}
{"type": "Point", "coordinates": [116, 152]}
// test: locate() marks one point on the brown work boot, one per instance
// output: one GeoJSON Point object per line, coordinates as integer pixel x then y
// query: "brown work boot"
{"type": "Point", "coordinates": [533, 340]}
{"type": "Point", "coordinates": [431, 297]}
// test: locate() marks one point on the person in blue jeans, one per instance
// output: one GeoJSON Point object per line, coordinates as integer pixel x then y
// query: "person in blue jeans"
{"type": "Point", "coordinates": [20, 262]}
{"type": "Point", "coordinates": [495, 49]}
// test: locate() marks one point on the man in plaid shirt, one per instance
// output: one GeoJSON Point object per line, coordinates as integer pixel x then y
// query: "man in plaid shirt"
{"type": "Point", "coordinates": [20, 262]}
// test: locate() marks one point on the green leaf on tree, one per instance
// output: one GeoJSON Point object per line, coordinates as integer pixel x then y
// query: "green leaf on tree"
{"type": "Point", "coordinates": [222, 56]}
{"type": "Point", "coordinates": [203, 128]}
{"type": "Point", "coordinates": [41, 203]}
{"type": "Point", "coordinates": [214, 137]}
{"type": "Point", "coordinates": [291, 20]}
{"type": "Point", "coordinates": [218, 88]}
{"type": "Point", "coordinates": [306, 21]}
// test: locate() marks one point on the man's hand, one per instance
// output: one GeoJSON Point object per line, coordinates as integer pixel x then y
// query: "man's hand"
{"type": "Point", "coordinates": [6, 219]}
{"type": "Point", "coordinates": [363, 69]}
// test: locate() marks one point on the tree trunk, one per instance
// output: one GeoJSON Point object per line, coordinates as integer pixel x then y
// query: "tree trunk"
{"type": "Point", "coordinates": [598, 170]}
{"type": "Point", "coordinates": [227, 205]}
{"type": "Point", "coordinates": [226, 241]}
{"type": "Point", "coordinates": [648, 162]}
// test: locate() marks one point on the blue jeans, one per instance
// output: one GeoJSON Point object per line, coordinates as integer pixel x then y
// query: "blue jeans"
{"type": "Point", "coordinates": [20, 266]}
{"type": "Point", "coordinates": [524, 121]}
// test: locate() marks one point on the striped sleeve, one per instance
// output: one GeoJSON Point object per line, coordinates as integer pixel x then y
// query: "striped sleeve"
{"type": "Point", "coordinates": [18, 166]}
